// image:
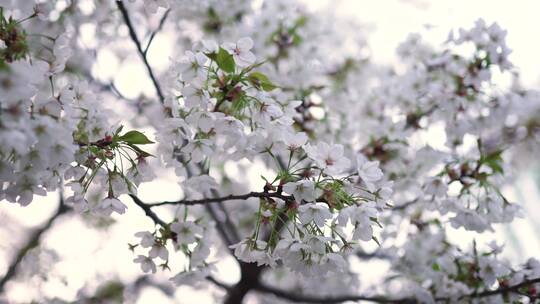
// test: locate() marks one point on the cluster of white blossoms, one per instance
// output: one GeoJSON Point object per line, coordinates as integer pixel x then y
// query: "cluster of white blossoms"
{"type": "Point", "coordinates": [458, 185]}
{"type": "Point", "coordinates": [225, 109]}
{"type": "Point", "coordinates": [51, 134]}
{"type": "Point", "coordinates": [191, 238]}
{"type": "Point", "coordinates": [324, 218]}
{"type": "Point", "coordinates": [458, 92]}
{"type": "Point", "coordinates": [453, 272]}
{"type": "Point", "coordinates": [272, 85]}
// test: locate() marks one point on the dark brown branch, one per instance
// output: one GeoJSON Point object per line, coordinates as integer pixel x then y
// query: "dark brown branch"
{"type": "Point", "coordinates": [135, 287]}
{"type": "Point", "coordinates": [249, 280]}
{"type": "Point", "coordinates": [225, 198]}
{"type": "Point", "coordinates": [251, 273]}
{"type": "Point", "coordinates": [294, 297]}
{"type": "Point", "coordinates": [220, 227]}
{"type": "Point", "coordinates": [501, 290]}
{"type": "Point", "coordinates": [158, 29]}
{"type": "Point", "coordinates": [111, 87]}
{"type": "Point", "coordinates": [225, 227]}
{"type": "Point", "coordinates": [372, 255]}
{"type": "Point", "coordinates": [228, 223]}
{"type": "Point", "coordinates": [147, 281]}
{"type": "Point", "coordinates": [152, 215]}
{"type": "Point", "coordinates": [147, 211]}
{"type": "Point", "coordinates": [218, 283]}
{"type": "Point", "coordinates": [32, 242]}
{"type": "Point", "coordinates": [405, 205]}
{"type": "Point", "coordinates": [137, 43]}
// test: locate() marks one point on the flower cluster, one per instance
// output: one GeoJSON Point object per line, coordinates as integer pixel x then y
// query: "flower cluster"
{"type": "Point", "coordinates": [53, 134]}
{"type": "Point", "coordinates": [189, 237]}
{"type": "Point", "coordinates": [224, 110]}
{"type": "Point", "coordinates": [452, 272]}
{"type": "Point", "coordinates": [324, 216]}
{"type": "Point", "coordinates": [351, 155]}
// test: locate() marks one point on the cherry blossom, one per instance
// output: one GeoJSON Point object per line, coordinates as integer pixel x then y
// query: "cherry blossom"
{"type": "Point", "coordinates": [293, 154]}
{"type": "Point", "coordinates": [241, 51]}
{"type": "Point", "coordinates": [328, 157]}
{"type": "Point", "coordinates": [147, 265]}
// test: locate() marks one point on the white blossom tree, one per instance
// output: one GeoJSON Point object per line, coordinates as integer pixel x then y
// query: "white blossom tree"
{"type": "Point", "coordinates": [269, 87]}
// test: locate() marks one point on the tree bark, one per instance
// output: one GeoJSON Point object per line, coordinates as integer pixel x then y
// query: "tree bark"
{"type": "Point", "coordinates": [249, 281]}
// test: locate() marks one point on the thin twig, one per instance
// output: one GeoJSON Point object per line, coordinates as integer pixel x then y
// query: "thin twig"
{"type": "Point", "coordinates": [158, 29]}
{"type": "Point", "coordinates": [137, 43]}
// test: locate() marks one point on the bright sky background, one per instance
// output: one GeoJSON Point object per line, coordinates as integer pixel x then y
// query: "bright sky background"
{"type": "Point", "coordinates": [390, 21]}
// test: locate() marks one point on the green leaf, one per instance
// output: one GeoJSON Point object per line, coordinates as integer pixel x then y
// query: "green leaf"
{"type": "Point", "coordinates": [140, 151]}
{"type": "Point", "coordinates": [253, 66]}
{"type": "Point", "coordinates": [493, 160]}
{"type": "Point", "coordinates": [300, 22]}
{"type": "Point", "coordinates": [495, 166]}
{"type": "Point", "coordinates": [112, 290]}
{"type": "Point", "coordinates": [94, 150]}
{"type": "Point", "coordinates": [259, 80]}
{"type": "Point", "coordinates": [212, 56]}
{"type": "Point", "coordinates": [225, 61]}
{"type": "Point", "coordinates": [118, 130]}
{"type": "Point", "coordinates": [436, 267]}
{"type": "Point", "coordinates": [135, 138]}
{"type": "Point", "coordinates": [374, 219]}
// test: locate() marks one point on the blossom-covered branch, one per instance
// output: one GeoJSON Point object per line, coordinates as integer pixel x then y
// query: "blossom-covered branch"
{"type": "Point", "coordinates": [342, 145]}
{"type": "Point", "coordinates": [527, 284]}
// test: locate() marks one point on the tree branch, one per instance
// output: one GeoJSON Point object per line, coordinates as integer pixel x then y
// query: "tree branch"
{"type": "Point", "coordinates": [218, 283]}
{"type": "Point", "coordinates": [147, 210]}
{"type": "Point", "coordinates": [405, 205]}
{"type": "Point", "coordinates": [249, 279]}
{"type": "Point", "coordinates": [142, 53]}
{"type": "Point", "coordinates": [293, 297]}
{"type": "Point", "coordinates": [500, 290]}
{"type": "Point", "coordinates": [158, 29]}
{"type": "Point", "coordinates": [228, 223]}
{"type": "Point", "coordinates": [221, 229]}
{"type": "Point", "coordinates": [372, 255]}
{"type": "Point", "coordinates": [224, 198]}
{"type": "Point", "coordinates": [251, 273]}
{"type": "Point", "coordinates": [146, 280]}
{"type": "Point", "coordinates": [32, 242]}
